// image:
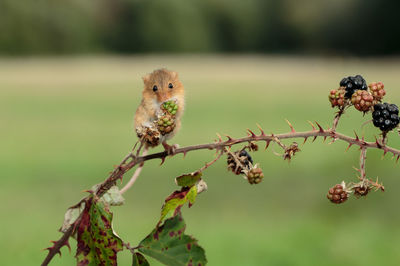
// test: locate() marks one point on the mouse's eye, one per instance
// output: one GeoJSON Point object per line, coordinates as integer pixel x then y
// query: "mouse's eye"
{"type": "Point", "coordinates": [155, 88]}
{"type": "Point", "coordinates": [170, 86]}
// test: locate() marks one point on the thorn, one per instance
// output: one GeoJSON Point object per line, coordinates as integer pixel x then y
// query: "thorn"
{"type": "Point", "coordinates": [324, 138]}
{"type": "Point", "coordinates": [385, 150]}
{"type": "Point", "coordinates": [252, 133]}
{"type": "Point", "coordinates": [261, 130]}
{"type": "Point", "coordinates": [397, 159]}
{"type": "Point", "coordinates": [267, 144]}
{"type": "Point", "coordinates": [313, 127]}
{"type": "Point", "coordinates": [67, 244]}
{"type": "Point", "coordinates": [184, 154]}
{"type": "Point", "coordinates": [319, 126]}
{"type": "Point", "coordinates": [315, 137]}
{"type": "Point", "coordinates": [305, 140]}
{"type": "Point", "coordinates": [219, 137]}
{"type": "Point", "coordinates": [358, 170]}
{"type": "Point", "coordinates": [348, 147]}
{"type": "Point", "coordinates": [333, 141]}
{"type": "Point", "coordinates": [291, 127]}
{"type": "Point", "coordinates": [357, 139]}
{"type": "Point", "coordinates": [162, 160]}
{"type": "Point", "coordinates": [229, 138]}
{"type": "Point", "coordinates": [377, 143]}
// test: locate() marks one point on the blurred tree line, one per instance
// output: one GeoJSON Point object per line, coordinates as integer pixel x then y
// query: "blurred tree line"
{"type": "Point", "coordinates": [359, 27]}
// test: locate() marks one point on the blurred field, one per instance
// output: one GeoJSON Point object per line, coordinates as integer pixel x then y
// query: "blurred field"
{"type": "Point", "coordinates": [67, 121]}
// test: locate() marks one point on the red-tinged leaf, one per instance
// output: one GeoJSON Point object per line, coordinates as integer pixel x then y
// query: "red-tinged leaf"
{"type": "Point", "coordinates": [97, 243]}
{"type": "Point", "coordinates": [169, 245]}
{"type": "Point", "coordinates": [176, 200]}
{"type": "Point", "coordinates": [139, 260]}
{"type": "Point", "coordinates": [188, 180]}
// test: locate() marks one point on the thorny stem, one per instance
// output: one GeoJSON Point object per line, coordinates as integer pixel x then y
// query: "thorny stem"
{"type": "Point", "coordinates": [60, 243]}
{"type": "Point", "coordinates": [384, 139]}
{"type": "Point", "coordinates": [363, 158]}
{"type": "Point", "coordinates": [212, 162]}
{"type": "Point", "coordinates": [134, 176]}
{"type": "Point", "coordinates": [277, 141]}
{"type": "Point", "coordinates": [128, 246]}
{"type": "Point", "coordinates": [126, 165]}
{"type": "Point", "coordinates": [337, 117]}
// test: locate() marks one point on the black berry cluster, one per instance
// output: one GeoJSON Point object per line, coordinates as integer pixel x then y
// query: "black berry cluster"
{"type": "Point", "coordinates": [385, 116]}
{"type": "Point", "coordinates": [352, 84]}
{"type": "Point", "coordinates": [239, 161]}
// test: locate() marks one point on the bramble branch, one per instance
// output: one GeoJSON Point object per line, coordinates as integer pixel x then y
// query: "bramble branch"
{"type": "Point", "coordinates": [131, 160]}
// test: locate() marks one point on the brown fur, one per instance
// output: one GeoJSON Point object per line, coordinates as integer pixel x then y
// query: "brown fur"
{"type": "Point", "coordinates": [151, 101]}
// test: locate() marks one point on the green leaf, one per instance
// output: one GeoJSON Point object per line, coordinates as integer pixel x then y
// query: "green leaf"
{"type": "Point", "coordinates": [139, 260]}
{"type": "Point", "coordinates": [188, 180]}
{"type": "Point", "coordinates": [176, 200]}
{"type": "Point", "coordinates": [97, 242]}
{"type": "Point", "coordinates": [168, 244]}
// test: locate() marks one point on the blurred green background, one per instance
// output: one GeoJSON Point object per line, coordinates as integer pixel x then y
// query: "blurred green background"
{"type": "Point", "coordinates": [70, 82]}
{"type": "Point", "coordinates": [66, 122]}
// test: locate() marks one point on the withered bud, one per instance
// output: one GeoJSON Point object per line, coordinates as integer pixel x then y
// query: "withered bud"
{"type": "Point", "coordinates": [291, 151]}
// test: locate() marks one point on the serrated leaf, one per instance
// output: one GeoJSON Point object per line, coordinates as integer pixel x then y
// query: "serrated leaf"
{"type": "Point", "coordinates": [168, 244]}
{"type": "Point", "coordinates": [97, 242]}
{"type": "Point", "coordinates": [176, 200]}
{"type": "Point", "coordinates": [188, 180]}
{"type": "Point", "coordinates": [139, 260]}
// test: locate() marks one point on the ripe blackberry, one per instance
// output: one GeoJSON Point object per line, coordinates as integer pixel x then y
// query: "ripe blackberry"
{"type": "Point", "coordinates": [351, 84]}
{"type": "Point", "coordinates": [336, 97]}
{"type": "Point", "coordinates": [377, 90]}
{"type": "Point", "coordinates": [239, 161]}
{"type": "Point", "coordinates": [337, 194]}
{"type": "Point", "coordinates": [362, 100]}
{"type": "Point", "coordinates": [254, 175]}
{"type": "Point", "coordinates": [385, 116]}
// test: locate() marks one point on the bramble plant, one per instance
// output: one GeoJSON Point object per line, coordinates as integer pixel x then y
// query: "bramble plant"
{"type": "Point", "coordinates": [90, 220]}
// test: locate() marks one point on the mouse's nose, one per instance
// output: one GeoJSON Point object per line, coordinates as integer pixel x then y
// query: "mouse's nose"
{"type": "Point", "coordinates": [163, 97]}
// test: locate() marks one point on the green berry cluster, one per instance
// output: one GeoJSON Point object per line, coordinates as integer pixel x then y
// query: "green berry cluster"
{"type": "Point", "coordinates": [255, 175]}
{"type": "Point", "coordinates": [166, 122]}
{"type": "Point", "coordinates": [170, 107]}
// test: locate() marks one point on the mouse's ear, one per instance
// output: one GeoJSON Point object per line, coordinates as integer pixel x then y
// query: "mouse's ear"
{"type": "Point", "coordinates": [146, 78]}
{"type": "Point", "coordinates": [174, 74]}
